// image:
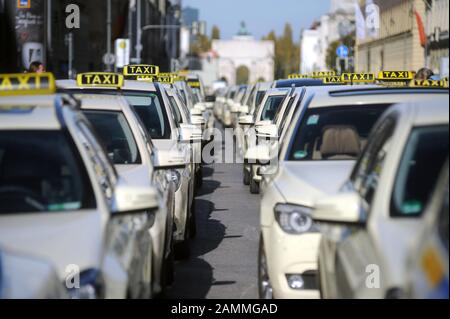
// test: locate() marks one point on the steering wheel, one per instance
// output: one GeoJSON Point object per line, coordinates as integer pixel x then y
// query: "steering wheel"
{"type": "Point", "coordinates": [24, 194]}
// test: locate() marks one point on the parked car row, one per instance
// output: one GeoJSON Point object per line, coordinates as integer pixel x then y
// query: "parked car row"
{"type": "Point", "coordinates": [97, 182]}
{"type": "Point", "coordinates": [354, 183]}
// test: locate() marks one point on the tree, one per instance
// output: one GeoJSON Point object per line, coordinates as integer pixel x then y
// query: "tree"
{"type": "Point", "coordinates": [215, 35]}
{"type": "Point", "coordinates": [242, 75]}
{"type": "Point", "coordinates": [287, 52]}
{"type": "Point", "coordinates": [200, 45]}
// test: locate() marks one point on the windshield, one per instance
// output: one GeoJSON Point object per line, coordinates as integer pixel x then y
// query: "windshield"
{"type": "Point", "coordinates": [151, 112]}
{"type": "Point", "coordinates": [334, 133]}
{"type": "Point", "coordinates": [116, 135]}
{"type": "Point", "coordinates": [41, 171]}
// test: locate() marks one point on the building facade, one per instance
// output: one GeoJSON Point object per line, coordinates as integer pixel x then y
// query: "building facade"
{"type": "Point", "coordinates": [397, 43]}
{"type": "Point", "coordinates": [338, 23]}
{"type": "Point", "coordinates": [437, 25]}
{"type": "Point", "coordinates": [244, 52]}
{"type": "Point", "coordinates": [39, 32]}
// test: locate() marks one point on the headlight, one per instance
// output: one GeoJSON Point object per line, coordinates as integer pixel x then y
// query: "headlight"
{"type": "Point", "coordinates": [91, 286]}
{"type": "Point", "coordinates": [294, 220]}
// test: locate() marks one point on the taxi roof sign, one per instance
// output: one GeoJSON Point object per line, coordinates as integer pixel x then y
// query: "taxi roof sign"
{"type": "Point", "coordinates": [100, 79]}
{"type": "Point", "coordinates": [429, 83]}
{"type": "Point", "coordinates": [27, 84]}
{"type": "Point", "coordinates": [322, 74]}
{"type": "Point", "coordinates": [333, 80]}
{"type": "Point", "coordinates": [396, 76]}
{"type": "Point", "coordinates": [358, 78]}
{"type": "Point", "coordinates": [297, 76]}
{"type": "Point", "coordinates": [194, 84]}
{"type": "Point", "coordinates": [140, 70]}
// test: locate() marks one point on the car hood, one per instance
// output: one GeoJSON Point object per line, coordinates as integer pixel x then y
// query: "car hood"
{"type": "Point", "coordinates": [63, 239]}
{"type": "Point", "coordinates": [302, 182]}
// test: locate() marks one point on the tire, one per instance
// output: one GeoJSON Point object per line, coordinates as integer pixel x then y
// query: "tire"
{"type": "Point", "coordinates": [183, 250]}
{"type": "Point", "coordinates": [193, 222]}
{"type": "Point", "coordinates": [265, 290]}
{"type": "Point", "coordinates": [254, 187]}
{"type": "Point", "coordinates": [246, 180]}
{"type": "Point", "coordinates": [199, 179]}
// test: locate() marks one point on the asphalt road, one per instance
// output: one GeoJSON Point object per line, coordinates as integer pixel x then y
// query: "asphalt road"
{"type": "Point", "coordinates": [223, 264]}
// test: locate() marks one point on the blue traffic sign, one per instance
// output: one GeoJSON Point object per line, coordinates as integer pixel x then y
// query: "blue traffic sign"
{"type": "Point", "coordinates": [342, 51]}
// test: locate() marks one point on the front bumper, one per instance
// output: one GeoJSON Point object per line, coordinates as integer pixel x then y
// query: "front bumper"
{"type": "Point", "coordinates": [291, 255]}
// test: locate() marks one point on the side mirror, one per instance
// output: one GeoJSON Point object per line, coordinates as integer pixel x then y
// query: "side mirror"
{"type": "Point", "coordinates": [246, 120]}
{"type": "Point", "coordinates": [200, 106]}
{"type": "Point", "coordinates": [263, 123]}
{"type": "Point", "coordinates": [244, 109]}
{"type": "Point", "coordinates": [190, 134]}
{"type": "Point", "coordinates": [130, 199]}
{"type": "Point", "coordinates": [267, 131]}
{"type": "Point", "coordinates": [344, 208]}
{"type": "Point", "coordinates": [196, 112]}
{"type": "Point", "coordinates": [169, 159]}
{"type": "Point", "coordinates": [259, 155]}
{"type": "Point", "coordinates": [198, 120]}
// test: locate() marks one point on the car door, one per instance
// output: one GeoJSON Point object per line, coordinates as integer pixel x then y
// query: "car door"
{"type": "Point", "coordinates": [355, 257]}
{"type": "Point", "coordinates": [127, 237]}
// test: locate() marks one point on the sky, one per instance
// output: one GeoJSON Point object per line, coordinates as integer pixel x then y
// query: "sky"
{"type": "Point", "coordinates": [261, 16]}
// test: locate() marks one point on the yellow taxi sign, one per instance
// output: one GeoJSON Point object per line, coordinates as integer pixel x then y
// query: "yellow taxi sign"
{"type": "Point", "coordinates": [184, 73]}
{"type": "Point", "coordinates": [297, 76]}
{"type": "Point", "coordinates": [27, 84]}
{"type": "Point", "coordinates": [166, 79]}
{"type": "Point", "coordinates": [194, 84]}
{"type": "Point", "coordinates": [180, 78]}
{"type": "Point", "coordinates": [100, 79]}
{"type": "Point", "coordinates": [429, 83]}
{"type": "Point", "coordinates": [432, 266]}
{"type": "Point", "coordinates": [396, 76]}
{"type": "Point", "coordinates": [358, 78]}
{"type": "Point", "coordinates": [333, 80]}
{"type": "Point", "coordinates": [140, 70]}
{"type": "Point", "coordinates": [322, 74]}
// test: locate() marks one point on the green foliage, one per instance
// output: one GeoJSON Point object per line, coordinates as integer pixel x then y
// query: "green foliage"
{"type": "Point", "coordinates": [287, 53]}
{"type": "Point", "coordinates": [242, 75]}
{"type": "Point", "coordinates": [215, 35]}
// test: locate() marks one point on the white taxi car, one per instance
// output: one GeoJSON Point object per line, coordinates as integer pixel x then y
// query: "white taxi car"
{"type": "Point", "coordinates": [379, 211]}
{"type": "Point", "coordinates": [25, 277]}
{"type": "Point", "coordinates": [62, 199]}
{"type": "Point", "coordinates": [132, 152]}
{"type": "Point", "coordinates": [321, 146]}
{"type": "Point", "coordinates": [149, 101]}
{"type": "Point", "coordinates": [427, 266]}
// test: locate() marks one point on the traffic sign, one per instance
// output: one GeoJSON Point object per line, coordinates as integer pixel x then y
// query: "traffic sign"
{"type": "Point", "coordinates": [109, 59]}
{"type": "Point", "coordinates": [342, 51]}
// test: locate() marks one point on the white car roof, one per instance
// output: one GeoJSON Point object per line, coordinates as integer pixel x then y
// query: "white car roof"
{"type": "Point", "coordinates": [41, 115]}
{"type": "Point", "coordinates": [434, 111]}
{"type": "Point", "coordinates": [328, 96]}
{"type": "Point", "coordinates": [264, 86]}
{"type": "Point", "coordinates": [129, 85]}
{"type": "Point", "coordinates": [101, 102]}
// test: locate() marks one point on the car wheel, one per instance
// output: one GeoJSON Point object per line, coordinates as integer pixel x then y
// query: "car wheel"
{"type": "Point", "coordinates": [193, 222]}
{"type": "Point", "coordinates": [246, 177]}
{"type": "Point", "coordinates": [254, 187]}
{"type": "Point", "coordinates": [264, 286]}
{"type": "Point", "coordinates": [199, 179]}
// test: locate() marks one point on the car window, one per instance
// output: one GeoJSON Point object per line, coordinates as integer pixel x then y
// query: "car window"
{"type": "Point", "coordinates": [42, 171]}
{"type": "Point", "coordinates": [151, 112]}
{"type": "Point", "coordinates": [116, 135]}
{"type": "Point", "coordinates": [177, 117]}
{"type": "Point", "coordinates": [271, 107]}
{"type": "Point", "coordinates": [334, 133]}
{"type": "Point", "coordinates": [367, 173]}
{"type": "Point", "coordinates": [259, 98]}
{"type": "Point", "coordinates": [420, 167]}
{"type": "Point", "coordinates": [104, 170]}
